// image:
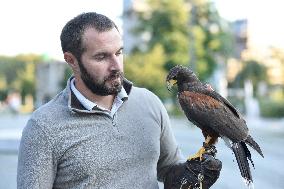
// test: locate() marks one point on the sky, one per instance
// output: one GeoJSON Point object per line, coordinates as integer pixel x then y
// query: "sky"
{"type": "Point", "coordinates": [264, 19]}
{"type": "Point", "coordinates": [34, 26]}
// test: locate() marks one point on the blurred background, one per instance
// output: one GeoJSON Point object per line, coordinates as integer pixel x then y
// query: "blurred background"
{"type": "Point", "coordinates": [236, 46]}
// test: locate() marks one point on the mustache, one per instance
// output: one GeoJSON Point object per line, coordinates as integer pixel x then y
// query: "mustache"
{"type": "Point", "coordinates": [114, 75]}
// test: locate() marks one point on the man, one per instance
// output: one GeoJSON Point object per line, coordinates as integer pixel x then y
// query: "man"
{"type": "Point", "coordinates": [100, 131]}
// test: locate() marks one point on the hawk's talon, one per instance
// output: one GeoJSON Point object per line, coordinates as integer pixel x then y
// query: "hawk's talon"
{"type": "Point", "coordinates": [210, 149]}
{"type": "Point", "coordinates": [198, 155]}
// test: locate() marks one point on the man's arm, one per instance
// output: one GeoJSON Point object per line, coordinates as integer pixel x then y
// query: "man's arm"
{"type": "Point", "coordinates": [36, 166]}
{"type": "Point", "coordinates": [169, 151]}
{"type": "Point", "coordinates": [174, 173]}
{"type": "Point", "coordinates": [194, 173]}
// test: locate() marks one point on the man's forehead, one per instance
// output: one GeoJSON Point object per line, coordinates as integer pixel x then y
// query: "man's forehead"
{"type": "Point", "coordinates": [107, 41]}
{"type": "Point", "coordinates": [93, 32]}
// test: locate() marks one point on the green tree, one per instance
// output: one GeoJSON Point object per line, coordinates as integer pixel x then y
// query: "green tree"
{"type": "Point", "coordinates": [8, 70]}
{"type": "Point", "coordinates": [210, 37]}
{"type": "Point", "coordinates": [190, 32]}
{"type": "Point", "coordinates": [277, 53]}
{"type": "Point", "coordinates": [67, 74]}
{"type": "Point", "coordinates": [25, 82]}
{"type": "Point", "coordinates": [252, 70]}
{"type": "Point", "coordinates": [17, 73]}
{"type": "Point", "coordinates": [166, 23]}
{"type": "Point", "coordinates": [146, 69]}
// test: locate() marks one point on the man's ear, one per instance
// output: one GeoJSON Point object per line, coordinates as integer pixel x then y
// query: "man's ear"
{"type": "Point", "coordinates": [71, 60]}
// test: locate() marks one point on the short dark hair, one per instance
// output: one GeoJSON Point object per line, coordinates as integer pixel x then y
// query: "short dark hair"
{"type": "Point", "coordinates": [72, 32]}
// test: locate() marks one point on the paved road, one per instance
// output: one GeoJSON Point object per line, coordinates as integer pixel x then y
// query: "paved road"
{"type": "Point", "coordinates": [268, 172]}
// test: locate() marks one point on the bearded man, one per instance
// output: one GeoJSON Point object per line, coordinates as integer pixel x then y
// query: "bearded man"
{"type": "Point", "coordinates": [100, 131]}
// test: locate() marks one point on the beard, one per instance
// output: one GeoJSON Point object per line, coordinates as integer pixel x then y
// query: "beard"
{"type": "Point", "coordinates": [110, 85]}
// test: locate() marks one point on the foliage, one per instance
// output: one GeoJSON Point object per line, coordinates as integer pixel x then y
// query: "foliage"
{"type": "Point", "coordinates": [278, 54]}
{"type": "Point", "coordinates": [26, 80]}
{"type": "Point", "coordinates": [272, 104]}
{"type": "Point", "coordinates": [272, 108]}
{"type": "Point", "coordinates": [189, 32]}
{"type": "Point", "coordinates": [166, 22]}
{"type": "Point", "coordinates": [146, 69]}
{"type": "Point", "coordinates": [18, 74]}
{"type": "Point", "coordinates": [237, 102]}
{"type": "Point", "coordinates": [210, 37]}
{"type": "Point", "coordinates": [8, 70]}
{"type": "Point", "coordinates": [254, 71]}
{"type": "Point", "coordinates": [67, 74]}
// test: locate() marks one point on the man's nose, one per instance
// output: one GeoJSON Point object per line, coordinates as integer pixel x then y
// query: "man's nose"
{"type": "Point", "coordinates": [115, 63]}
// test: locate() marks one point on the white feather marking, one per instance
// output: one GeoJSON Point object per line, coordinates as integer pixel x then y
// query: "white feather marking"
{"type": "Point", "coordinates": [249, 183]}
{"type": "Point", "coordinates": [227, 141]}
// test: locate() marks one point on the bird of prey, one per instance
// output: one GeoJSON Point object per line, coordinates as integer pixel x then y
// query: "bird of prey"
{"type": "Point", "coordinates": [215, 116]}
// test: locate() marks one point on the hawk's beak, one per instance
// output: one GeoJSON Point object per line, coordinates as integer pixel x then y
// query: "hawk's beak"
{"type": "Point", "coordinates": [170, 83]}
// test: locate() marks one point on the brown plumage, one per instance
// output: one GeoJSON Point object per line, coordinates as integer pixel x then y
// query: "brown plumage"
{"type": "Point", "coordinates": [215, 116]}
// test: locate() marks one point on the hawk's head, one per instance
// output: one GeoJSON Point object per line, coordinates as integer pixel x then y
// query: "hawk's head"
{"type": "Point", "coordinates": [179, 75]}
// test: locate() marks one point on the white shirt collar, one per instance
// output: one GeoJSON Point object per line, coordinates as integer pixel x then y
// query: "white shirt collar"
{"type": "Point", "coordinates": [89, 105]}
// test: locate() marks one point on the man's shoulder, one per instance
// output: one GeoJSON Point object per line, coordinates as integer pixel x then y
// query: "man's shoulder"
{"type": "Point", "coordinates": [142, 91]}
{"type": "Point", "coordinates": [51, 111]}
{"type": "Point", "coordinates": [145, 96]}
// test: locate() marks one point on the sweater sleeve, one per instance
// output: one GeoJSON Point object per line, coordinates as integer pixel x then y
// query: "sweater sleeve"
{"type": "Point", "coordinates": [169, 151]}
{"type": "Point", "coordinates": [36, 167]}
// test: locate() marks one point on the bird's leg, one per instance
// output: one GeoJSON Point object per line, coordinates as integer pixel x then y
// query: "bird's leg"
{"type": "Point", "coordinates": [198, 154]}
{"type": "Point", "coordinates": [202, 150]}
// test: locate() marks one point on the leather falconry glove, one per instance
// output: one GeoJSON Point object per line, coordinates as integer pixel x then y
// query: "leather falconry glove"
{"type": "Point", "coordinates": [195, 174]}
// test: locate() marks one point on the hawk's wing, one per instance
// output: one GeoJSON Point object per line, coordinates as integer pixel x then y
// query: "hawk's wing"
{"type": "Point", "coordinates": [208, 112]}
{"type": "Point", "coordinates": [218, 97]}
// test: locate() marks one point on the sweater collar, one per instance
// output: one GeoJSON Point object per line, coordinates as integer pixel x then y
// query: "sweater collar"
{"type": "Point", "coordinates": [89, 105]}
{"type": "Point", "coordinates": [75, 105]}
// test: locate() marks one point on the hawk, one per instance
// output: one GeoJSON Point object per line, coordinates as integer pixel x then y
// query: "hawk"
{"type": "Point", "coordinates": [215, 116]}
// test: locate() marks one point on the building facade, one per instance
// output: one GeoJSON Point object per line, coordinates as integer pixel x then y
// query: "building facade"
{"type": "Point", "coordinates": [49, 78]}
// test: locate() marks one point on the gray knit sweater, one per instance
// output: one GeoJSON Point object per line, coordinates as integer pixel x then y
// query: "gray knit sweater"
{"type": "Point", "coordinates": [64, 146]}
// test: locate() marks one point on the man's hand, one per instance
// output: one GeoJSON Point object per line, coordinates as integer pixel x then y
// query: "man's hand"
{"type": "Point", "coordinates": [194, 174]}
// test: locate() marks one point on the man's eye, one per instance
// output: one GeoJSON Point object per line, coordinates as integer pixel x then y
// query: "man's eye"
{"type": "Point", "coordinates": [118, 53]}
{"type": "Point", "coordinates": [100, 57]}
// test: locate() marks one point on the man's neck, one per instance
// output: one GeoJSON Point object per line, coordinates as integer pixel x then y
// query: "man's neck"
{"type": "Point", "coordinates": [102, 101]}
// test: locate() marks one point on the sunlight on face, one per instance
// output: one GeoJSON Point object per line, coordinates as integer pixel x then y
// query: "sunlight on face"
{"type": "Point", "coordinates": [101, 64]}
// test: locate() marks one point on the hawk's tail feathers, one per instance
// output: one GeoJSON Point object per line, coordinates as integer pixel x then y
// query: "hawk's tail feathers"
{"type": "Point", "coordinates": [254, 145]}
{"type": "Point", "coordinates": [242, 155]}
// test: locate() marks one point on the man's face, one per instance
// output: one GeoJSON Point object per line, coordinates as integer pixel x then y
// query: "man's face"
{"type": "Point", "coordinates": [101, 64]}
